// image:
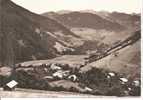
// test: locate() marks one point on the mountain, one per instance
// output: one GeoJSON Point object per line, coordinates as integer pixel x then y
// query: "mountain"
{"type": "Point", "coordinates": [86, 20]}
{"type": "Point", "coordinates": [27, 36]}
{"type": "Point", "coordinates": [102, 26]}
{"type": "Point", "coordinates": [130, 21]}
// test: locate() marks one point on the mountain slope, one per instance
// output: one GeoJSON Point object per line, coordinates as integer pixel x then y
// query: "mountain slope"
{"type": "Point", "coordinates": [48, 25]}
{"type": "Point", "coordinates": [24, 35]}
{"type": "Point", "coordinates": [45, 23]}
{"type": "Point", "coordinates": [127, 62]}
{"type": "Point", "coordinates": [18, 36]}
{"type": "Point", "coordinates": [123, 58]}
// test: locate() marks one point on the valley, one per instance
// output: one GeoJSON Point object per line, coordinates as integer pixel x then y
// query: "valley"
{"type": "Point", "coordinates": [69, 53]}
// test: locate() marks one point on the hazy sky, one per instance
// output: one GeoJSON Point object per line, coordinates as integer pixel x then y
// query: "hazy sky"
{"type": "Point", "coordinates": [40, 6]}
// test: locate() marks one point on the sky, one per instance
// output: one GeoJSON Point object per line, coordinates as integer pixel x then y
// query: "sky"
{"type": "Point", "coordinates": [41, 6]}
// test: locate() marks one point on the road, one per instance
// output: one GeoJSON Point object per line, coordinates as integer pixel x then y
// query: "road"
{"type": "Point", "coordinates": [27, 93]}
